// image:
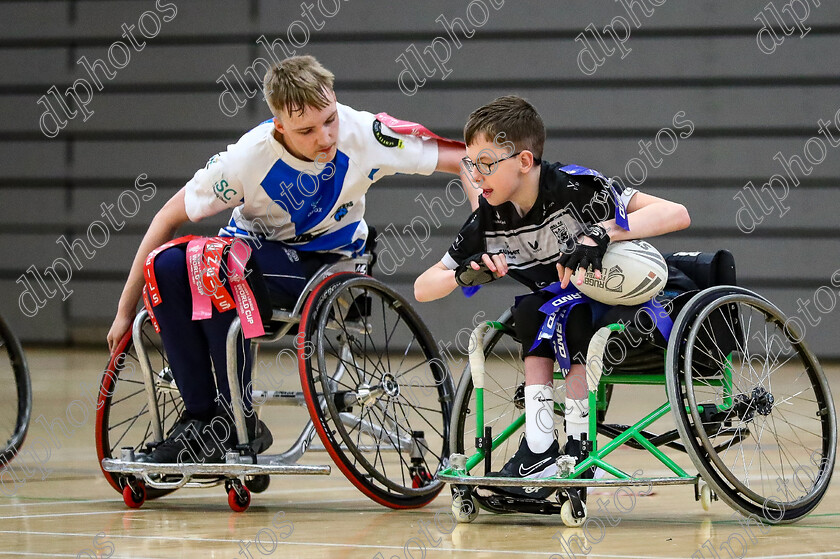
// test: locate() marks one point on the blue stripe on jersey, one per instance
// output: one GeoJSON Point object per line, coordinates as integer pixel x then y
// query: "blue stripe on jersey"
{"type": "Point", "coordinates": [341, 239]}
{"type": "Point", "coordinates": [293, 191]}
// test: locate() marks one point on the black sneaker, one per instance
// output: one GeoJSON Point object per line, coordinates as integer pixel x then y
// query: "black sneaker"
{"type": "Point", "coordinates": [191, 441]}
{"type": "Point", "coordinates": [259, 436]}
{"type": "Point", "coordinates": [526, 464]}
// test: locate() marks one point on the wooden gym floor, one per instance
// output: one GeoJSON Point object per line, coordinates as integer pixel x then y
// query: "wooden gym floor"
{"type": "Point", "coordinates": [75, 513]}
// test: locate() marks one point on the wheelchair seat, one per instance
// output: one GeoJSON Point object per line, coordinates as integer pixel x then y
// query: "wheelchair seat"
{"type": "Point", "coordinates": [688, 273]}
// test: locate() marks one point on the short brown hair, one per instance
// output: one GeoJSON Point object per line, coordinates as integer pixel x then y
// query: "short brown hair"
{"type": "Point", "coordinates": [513, 115]}
{"type": "Point", "coordinates": [296, 83]}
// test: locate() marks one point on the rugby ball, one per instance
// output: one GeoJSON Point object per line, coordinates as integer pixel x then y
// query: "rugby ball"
{"type": "Point", "coordinates": [632, 273]}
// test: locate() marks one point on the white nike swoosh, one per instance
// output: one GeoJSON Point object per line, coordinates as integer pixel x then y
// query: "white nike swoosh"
{"type": "Point", "coordinates": [524, 472]}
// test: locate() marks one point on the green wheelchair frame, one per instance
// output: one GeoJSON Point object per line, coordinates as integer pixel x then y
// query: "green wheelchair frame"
{"type": "Point", "coordinates": [707, 485]}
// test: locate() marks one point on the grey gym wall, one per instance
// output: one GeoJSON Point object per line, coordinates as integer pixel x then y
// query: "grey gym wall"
{"type": "Point", "coordinates": [160, 116]}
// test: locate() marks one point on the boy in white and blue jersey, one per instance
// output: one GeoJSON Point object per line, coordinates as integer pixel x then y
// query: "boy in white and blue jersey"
{"type": "Point", "coordinates": [296, 185]}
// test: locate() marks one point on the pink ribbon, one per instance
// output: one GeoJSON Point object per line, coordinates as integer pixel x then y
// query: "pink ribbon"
{"type": "Point", "coordinates": [246, 304]}
{"type": "Point", "coordinates": [202, 307]}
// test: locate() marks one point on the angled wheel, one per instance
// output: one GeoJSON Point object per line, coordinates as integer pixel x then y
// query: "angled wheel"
{"type": "Point", "coordinates": [122, 417]}
{"type": "Point", "coordinates": [377, 390]}
{"type": "Point", "coordinates": [752, 404]}
{"type": "Point", "coordinates": [16, 403]}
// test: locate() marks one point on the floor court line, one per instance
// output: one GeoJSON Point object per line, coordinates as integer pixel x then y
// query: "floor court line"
{"type": "Point", "coordinates": [193, 495]}
{"type": "Point", "coordinates": [55, 554]}
{"type": "Point", "coordinates": [517, 552]}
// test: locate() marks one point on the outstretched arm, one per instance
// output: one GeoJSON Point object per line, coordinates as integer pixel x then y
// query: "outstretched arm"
{"type": "Point", "coordinates": [449, 161]}
{"type": "Point", "coordinates": [439, 281]}
{"type": "Point", "coordinates": [649, 216]}
{"type": "Point", "coordinates": [162, 229]}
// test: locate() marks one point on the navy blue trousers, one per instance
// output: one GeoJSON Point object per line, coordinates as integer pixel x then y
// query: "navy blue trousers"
{"type": "Point", "coordinates": [196, 349]}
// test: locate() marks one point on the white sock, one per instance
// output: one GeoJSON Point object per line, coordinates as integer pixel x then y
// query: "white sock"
{"type": "Point", "coordinates": [577, 418]}
{"type": "Point", "coordinates": [539, 417]}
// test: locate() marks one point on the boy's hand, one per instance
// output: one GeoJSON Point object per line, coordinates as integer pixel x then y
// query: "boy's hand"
{"type": "Point", "coordinates": [587, 253]}
{"type": "Point", "coordinates": [481, 268]}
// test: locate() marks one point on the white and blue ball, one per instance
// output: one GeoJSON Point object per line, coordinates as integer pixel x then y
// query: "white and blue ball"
{"type": "Point", "coordinates": [632, 273]}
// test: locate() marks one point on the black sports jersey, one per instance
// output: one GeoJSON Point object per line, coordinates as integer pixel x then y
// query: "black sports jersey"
{"type": "Point", "coordinates": [533, 243]}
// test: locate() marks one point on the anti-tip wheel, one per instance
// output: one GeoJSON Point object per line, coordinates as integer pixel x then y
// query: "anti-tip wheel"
{"type": "Point", "coordinates": [464, 509]}
{"type": "Point", "coordinates": [257, 484]}
{"type": "Point", "coordinates": [134, 494]}
{"type": "Point", "coordinates": [568, 517]}
{"type": "Point", "coordinates": [239, 500]}
{"type": "Point", "coordinates": [705, 497]}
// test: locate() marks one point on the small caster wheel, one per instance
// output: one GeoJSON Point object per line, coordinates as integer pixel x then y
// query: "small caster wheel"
{"type": "Point", "coordinates": [568, 517]}
{"type": "Point", "coordinates": [239, 498]}
{"type": "Point", "coordinates": [257, 484]}
{"type": "Point", "coordinates": [464, 507]}
{"type": "Point", "coordinates": [705, 497]}
{"type": "Point", "coordinates": [134, 494]}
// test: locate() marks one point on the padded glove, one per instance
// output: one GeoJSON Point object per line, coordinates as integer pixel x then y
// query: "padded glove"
{"type": "Point", "coordinates": [585, 256]}
{"type": "Point", "coordinates": [466, 276]}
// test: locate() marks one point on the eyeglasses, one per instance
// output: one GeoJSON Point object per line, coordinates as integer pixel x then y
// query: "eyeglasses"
{"type": "Point", "coordinates": [486, 168]}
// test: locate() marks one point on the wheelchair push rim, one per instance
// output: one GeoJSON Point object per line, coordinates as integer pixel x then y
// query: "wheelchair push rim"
{"type": "Point", "coordinates": [765, 437]}
{"type": "Point", "coordinates": [17, 405]}
{"type": "Point", "coordinates": [382, 415]}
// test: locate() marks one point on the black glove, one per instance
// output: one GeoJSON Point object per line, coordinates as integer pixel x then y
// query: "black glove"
{"type": "Point", "coordinates": [585, 256]}
{"type": "Point", "coordinates": [466, 276]}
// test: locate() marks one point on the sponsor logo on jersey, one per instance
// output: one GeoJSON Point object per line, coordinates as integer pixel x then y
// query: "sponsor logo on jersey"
{"type": "Point", "coordinates": [342, 211]}
{"type": "Point", "coordinates": [535, 245]}
{"type": "Point", "coordinates": [384, 139]}
{"type": "Point", "coordinates": [292, 255]}
{"type": "Point", "coordinates": [508, 252]}
{"type": "Point", "coordinates": [559, 229]}
{"type": "Point", "coordinates": [573, 185]}
{"type": "Point", "coordinates": [211, 161]}
{"type": "Point", "coordinates": [222, 190]}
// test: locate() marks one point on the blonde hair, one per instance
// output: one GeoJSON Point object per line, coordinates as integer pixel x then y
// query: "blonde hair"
{"type": "Point", "coordinates": [296, 83]}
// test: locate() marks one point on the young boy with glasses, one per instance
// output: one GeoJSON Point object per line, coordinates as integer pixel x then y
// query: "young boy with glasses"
{"type": "Point", "coordinates": [539, 222]}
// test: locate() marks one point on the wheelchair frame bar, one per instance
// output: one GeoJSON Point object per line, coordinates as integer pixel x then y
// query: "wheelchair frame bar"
{"type": "Point", "coordinates": [148, 376]}
{"type": "Point", "coordinates": [597, 400]}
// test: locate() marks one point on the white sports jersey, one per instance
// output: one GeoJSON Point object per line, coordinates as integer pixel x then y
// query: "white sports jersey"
{"type": "Point", "coordinates": [308, 205]}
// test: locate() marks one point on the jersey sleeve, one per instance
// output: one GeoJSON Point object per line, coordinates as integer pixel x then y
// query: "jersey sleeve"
{"type": "Point", "coordinates": [591, 196]}
{"type": "Point", "coordinates": [624, 195]}
{"type": "Point", "coordinates": [470, 241]}
{"type": "Point", "coordinates": [401, 153]}
{"type": "Point", "coordinates": [213, 189]}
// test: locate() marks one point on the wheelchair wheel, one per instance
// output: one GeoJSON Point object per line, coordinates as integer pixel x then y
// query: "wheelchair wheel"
{"type": "Point", "coordinates": [16, 405]}
{"type": "Point", "coordinates": [123, 418]}
{"type": "Point", "coordinates": [752, 404]}
{"type": "Point", "coordinates": [382, 412]}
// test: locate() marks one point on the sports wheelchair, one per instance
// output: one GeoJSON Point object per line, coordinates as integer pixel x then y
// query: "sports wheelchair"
{"type": "Point", "coordinates": [750, 402]}
{"type": "Point", "coordinates": [378, 394]}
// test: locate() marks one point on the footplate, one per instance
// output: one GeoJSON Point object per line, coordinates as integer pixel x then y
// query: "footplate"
{"type": "Point", "coordinates": [171, 476]}
{"type": "Point", "coordinates": [498, 502]}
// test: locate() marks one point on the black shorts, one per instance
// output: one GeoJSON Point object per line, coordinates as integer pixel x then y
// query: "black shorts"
{"type": "Point", "coordinates": [528, 319]}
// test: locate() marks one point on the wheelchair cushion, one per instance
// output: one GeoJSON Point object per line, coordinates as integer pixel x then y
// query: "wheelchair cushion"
{"type": "Point", "coordinates": [706, 269]}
